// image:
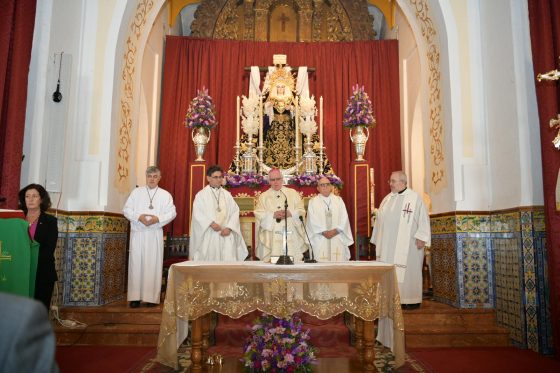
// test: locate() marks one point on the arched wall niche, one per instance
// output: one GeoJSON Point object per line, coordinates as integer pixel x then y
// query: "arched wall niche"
{"type": "Point", "coordinates": [137, 26]}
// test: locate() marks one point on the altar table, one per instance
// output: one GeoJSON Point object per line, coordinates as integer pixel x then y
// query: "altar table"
{"type": "Point", "coordinates": [367, 290]}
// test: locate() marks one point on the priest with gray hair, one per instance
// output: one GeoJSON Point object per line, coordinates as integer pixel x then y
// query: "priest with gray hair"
{"type": "Point", "coordinates": [149, 208]}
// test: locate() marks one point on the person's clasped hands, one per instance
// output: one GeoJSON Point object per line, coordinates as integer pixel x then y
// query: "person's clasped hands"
{"type": "Point", "coordinates": [148, 219]}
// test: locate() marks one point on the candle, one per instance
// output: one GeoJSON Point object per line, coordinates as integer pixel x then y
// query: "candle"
{"type": "Point", "coordinates": [261, 124]}
{"type": "Point", "coordinates": [297, 127]}
{"type": "Point", "coordinates": [237, 124]}
{"type": "Point", "coordinates": [321, 123]}
{"type": "Point", "coordinates": [372, 183]}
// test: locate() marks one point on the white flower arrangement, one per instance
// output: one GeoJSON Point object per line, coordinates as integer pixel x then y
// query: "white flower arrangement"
{"type": "Point", "coordinates": [307, 112]}
{"type": "Point", "coordinates": [250, 114]}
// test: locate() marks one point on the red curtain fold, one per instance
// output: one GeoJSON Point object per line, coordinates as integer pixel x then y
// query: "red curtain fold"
{"type": "Point", "coordinates": [545, 41]}
{"type": "Point", "coordinates": [219, 65]}
{"type": "Point", "coordinates": [17, 20]}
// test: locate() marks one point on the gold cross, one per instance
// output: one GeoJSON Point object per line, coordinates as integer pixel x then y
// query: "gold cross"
{"type": "Point", "coordinates": [283, 18]}
{"type": "Point", "coordinates": [4, 257]}
{"type": "Point", "coordinates": [337, 253]}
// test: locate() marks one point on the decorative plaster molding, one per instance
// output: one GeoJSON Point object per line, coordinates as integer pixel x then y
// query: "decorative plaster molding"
{"type": "Point", "coordinates": [137, 25]}
{"type": "Point", "coordinates": [429, 33]}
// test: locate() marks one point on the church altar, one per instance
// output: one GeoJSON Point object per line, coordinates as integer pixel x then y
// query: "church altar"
{"type": "Point", "coordinates": [357, 192]}
{"type": "Point", "coordinates": [367, 290]}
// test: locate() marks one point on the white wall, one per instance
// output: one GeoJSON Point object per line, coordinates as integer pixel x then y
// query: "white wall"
{"type": "Point", "coordinates": [412, 116]}
{"type": "Point", "coordinates": [513, 147]}
{"type": "Point", "coordinates": [492, 149]}
{"type": "Point", "coordinates": [150, 97]}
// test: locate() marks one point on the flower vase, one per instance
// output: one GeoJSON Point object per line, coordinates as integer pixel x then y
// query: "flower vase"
{"type": "Point", "coordinates": [359, 137]}
{"type": "Point", "coordinates": [200, 137]}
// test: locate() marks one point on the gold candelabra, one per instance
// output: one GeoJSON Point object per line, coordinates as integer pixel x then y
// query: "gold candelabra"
{"type": "Point", "coordinates": [554, 122]}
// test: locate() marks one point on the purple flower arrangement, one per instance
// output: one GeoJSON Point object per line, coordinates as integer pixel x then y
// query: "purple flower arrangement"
{"type": "Point", "coordinates": [250, 180]}
{"type": "Point", "coordinates": [312, 180]}
{"type": "Point", "coordinates": [201, 111]}
{"type": "Point", "coordinates": [278, 345]}
{"type": "Point", "coordinates": [359, 111]}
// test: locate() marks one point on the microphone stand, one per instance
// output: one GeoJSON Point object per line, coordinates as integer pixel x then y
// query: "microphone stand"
{"type": "Point", "coordinates": [285, 259]}
{"type": "Point", "coordinates": [312, 260]}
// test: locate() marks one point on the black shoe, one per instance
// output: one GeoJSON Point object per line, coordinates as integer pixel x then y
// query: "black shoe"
{"type": "Point", "coordinates": [411, 306]}
{"type": "Point", "coordinates": [152, 304]}
{"type": "Point", "coordinates": [134, 304]}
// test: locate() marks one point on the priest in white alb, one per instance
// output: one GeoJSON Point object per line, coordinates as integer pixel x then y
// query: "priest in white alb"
{"type": "Point", "coordinates": [271, 219]}
{"type": "Point", "coordinates": [328, 225]}
{"type": "Point", "coordinates": [215, 228]}
{"type": "Point", "coordinates": [401, 231]}
{"type": "Point", "coordinates": [148, 208]}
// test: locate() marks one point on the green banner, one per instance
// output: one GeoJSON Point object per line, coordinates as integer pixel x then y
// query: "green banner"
{"type": "Point", "coordinates": [18, 258]}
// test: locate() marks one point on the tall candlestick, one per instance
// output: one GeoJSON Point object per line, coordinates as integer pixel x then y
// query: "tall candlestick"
{"type": "Point", "coordinates": [237, 124]}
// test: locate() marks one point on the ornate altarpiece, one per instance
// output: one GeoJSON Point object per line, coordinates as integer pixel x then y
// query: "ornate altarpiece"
{"type": "Point", "coordinates": [283, 20]}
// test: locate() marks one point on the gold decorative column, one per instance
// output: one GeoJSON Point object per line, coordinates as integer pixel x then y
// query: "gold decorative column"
{"type": "Point", "coordinates": [261, 23]}
{"type": "Point", "coordinates": [305, 25]}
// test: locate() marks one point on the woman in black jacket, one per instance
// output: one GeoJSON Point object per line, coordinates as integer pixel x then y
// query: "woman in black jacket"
{"type": "Point", "coordinates": [34, 200]}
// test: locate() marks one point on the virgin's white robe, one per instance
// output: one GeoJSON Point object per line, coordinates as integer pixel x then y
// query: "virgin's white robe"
{"type": "Point", "coordinates": [207, 244]}
{"type": "Point", "coordinates": [269, 231]}
{"type": "Point", "coordinates": [145, 261]}
{"type": "Point", "coordinates": [324, 249]}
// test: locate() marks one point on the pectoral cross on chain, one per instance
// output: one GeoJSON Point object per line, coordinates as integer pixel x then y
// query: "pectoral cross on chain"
{"type": "Point", "coordinates": [4, 257]}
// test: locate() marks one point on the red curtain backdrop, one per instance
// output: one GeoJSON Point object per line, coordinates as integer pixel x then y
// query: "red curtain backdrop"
{"type": "Point", "coordinates": [545, 40]}
{"type": "Point", "coordinates": [219, 65]}
{"type": "Point", "coordinates": [17, 20]}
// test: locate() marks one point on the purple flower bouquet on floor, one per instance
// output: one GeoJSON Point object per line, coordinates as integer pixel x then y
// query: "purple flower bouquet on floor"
{"type": "Point", "coordinates": [278, 345]}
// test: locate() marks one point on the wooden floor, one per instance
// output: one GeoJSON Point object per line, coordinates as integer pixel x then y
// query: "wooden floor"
{"type": "Point", "coordinates": [440, 325]}
{"type": "Point", "coordinates": [432, 325]}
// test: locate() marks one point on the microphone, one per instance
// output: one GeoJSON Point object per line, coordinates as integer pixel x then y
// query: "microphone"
{"type": "Point", "coordinates": [312, 260]}
{"type": "Point", "coordinates": [285, 259]}
{"type": "Point", "coordinates": [285, 205]}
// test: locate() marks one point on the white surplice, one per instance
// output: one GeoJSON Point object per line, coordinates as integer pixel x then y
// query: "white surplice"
{"type": "Point", "coordinates": [207, 244]}
{"type": "Point", "coordinates": [323, 214]}
{"type": "Point", "coordinates": [401, 219]}
{"type": "Point", "coordinates": [145, 261]}
{"type": "Point", "coordinates": [270, 237]}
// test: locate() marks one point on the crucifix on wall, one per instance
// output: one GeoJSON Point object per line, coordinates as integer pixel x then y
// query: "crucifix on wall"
{"type": "Point", "coordinates": [283, 24]}
{"type": "Point", "coordinates": [283, 19]}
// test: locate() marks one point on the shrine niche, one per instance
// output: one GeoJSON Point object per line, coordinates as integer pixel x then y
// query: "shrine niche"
{"type": "Point", "coordinates": [283, 20]}
{"type": "Point", "coordinates": [276, 122]}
